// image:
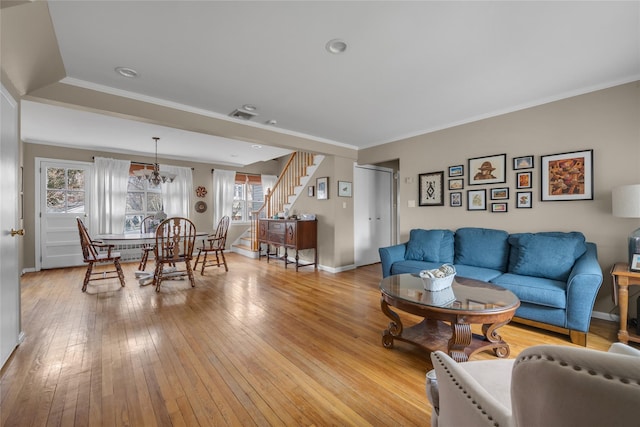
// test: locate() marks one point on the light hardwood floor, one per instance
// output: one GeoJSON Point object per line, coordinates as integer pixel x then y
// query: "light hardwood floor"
{"type": "Point", "coordinates": [259, 345]}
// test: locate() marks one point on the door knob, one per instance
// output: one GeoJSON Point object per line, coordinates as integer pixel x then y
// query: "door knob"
{"type": "Point", "coordinates": [14, 232]}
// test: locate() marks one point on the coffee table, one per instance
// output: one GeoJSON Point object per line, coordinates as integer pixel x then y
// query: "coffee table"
{"type": "Point", "coordinates": [448, 315]}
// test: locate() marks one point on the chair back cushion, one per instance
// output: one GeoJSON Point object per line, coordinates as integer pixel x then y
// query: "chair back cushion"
{"type": "Point", "coordinates": [573, 386]}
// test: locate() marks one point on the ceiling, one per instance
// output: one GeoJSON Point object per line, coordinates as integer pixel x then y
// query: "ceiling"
{"type": "Point", "coordinates": [409, 67]}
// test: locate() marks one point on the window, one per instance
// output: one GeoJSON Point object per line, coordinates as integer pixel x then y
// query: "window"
{"type": "Point", "coordinates": [65, 190]}
{"type": "Point", "coordinates": [143, 199]}
{"type": "Point", "coordinates": [247, 197]}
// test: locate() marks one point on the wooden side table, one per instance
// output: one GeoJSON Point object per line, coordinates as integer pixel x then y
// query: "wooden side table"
{"type": "Point", "coordinates": [623, 278]}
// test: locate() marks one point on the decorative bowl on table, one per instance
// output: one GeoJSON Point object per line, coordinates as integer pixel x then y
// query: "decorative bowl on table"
{"type": "Point", "coordinates": [439, 278]}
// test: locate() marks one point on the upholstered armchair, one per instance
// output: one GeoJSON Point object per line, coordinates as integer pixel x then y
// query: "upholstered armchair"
{"type": "Point", "coordinates": [544, 386]}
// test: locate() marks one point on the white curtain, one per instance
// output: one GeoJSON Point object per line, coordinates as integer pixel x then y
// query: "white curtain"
{"type": "Point", "coordinates": [223, 182]}
{"type": "Point", "coordinates": [268, 181]}
{"type": "Point", "coordinates": [176, 196]}
{"type": "Point", "coordinates": [109, 201]}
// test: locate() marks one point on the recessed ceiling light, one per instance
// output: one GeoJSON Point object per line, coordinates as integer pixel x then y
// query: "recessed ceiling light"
{"type": "Point", "coordinates": [249, 107]}
{"type": "Point", "coordinates": [336, 46]}
{"type": "Point", "coordinates": [271, 122]}
{"type": "Point", "coordinates": [129, 73]}
{"type": "Point", "coordinates": [256, 146]}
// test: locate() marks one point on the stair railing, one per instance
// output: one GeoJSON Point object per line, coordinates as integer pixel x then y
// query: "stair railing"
{"type": "Point", "coordinates": [278, 196]}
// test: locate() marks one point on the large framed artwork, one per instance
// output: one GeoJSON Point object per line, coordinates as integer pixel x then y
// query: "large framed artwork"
{"type": "Point", "coordinates": [567, 176]}
{"type": "Point", "coordinates": [431, 189]}
{"type": "Point", "coordinates": [488, 169]}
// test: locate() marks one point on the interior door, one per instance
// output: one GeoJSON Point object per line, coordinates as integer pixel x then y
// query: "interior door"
{"type": "Point", "coordinates": [9, 244]}
{"type": "Point", "coordinates": [64, 196]}
{"type": "Point", "coordinates": [373, 206]}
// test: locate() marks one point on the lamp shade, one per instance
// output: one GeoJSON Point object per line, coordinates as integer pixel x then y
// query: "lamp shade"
{"type": "Point", "coordinates": [625, 201]}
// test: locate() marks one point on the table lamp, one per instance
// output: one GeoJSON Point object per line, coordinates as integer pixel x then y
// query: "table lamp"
{"type": "Point", "coordinates": [625, 201]}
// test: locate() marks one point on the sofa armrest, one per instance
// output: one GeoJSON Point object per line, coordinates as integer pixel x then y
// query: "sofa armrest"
{"type": "Point", "coordinates": [464, 400]}
{"type": "Point", "coordinates": [582, 288]}
{"type": "Point", "coordinates": [389, 255]}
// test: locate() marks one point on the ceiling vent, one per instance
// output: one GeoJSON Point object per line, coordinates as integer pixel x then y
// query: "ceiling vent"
{"type": "Point", "coordinates": [242, 114]}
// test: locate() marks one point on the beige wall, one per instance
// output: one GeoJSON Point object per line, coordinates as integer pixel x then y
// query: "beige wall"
{"type": "Point", "coordinates": [607, 121]}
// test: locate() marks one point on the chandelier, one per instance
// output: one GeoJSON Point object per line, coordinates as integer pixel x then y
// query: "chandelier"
{"type": "Point", "coordinates": [154, 176]}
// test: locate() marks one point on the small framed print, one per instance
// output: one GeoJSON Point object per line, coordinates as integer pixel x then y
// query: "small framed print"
{"type": "Point", "coordinates": [567, 176]}
{"type": "Point", "coordinates": [455, 199]}
{"type": "Point", "coordinates": [523, 180]}
{"type": "Point", "coordinates": [523, 199]}
{"type": "Point", "coordinates": [431, 189]}
{"type": "Point", "coordinates": [499, 207]}
{"type": "Point", "coordinates": [322, 188]}
{"type": "Point", "coordinates": [456, 184]}
{"type": "Point", "coordinates": [344, 189]}
{"type": "Point", "coordinates": [457, 170]}
{"type": "Point", "coordinates": [488, 169]}
{"type": "Point", "coordinates": [311, 191]}
{"type": "Point", "coordinates": [476, 200]}
{"type": "Point", "coordinates": [635, 262]}
{"type": "Point", "coordinates": [500, 193]}
{"type": "Point", "coordinates": [524, 162]}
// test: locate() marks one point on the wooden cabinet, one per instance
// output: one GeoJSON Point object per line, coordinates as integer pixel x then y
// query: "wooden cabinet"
{"type": "Point", "coordinates": [289, 234]}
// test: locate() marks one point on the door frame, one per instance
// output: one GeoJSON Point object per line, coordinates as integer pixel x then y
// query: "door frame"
{"type": "Point", "coordinates": [393, 199]}
{"type": "Point", "coordinates": [38, 193]}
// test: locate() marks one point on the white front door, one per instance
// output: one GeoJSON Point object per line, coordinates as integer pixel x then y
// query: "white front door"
{"type": "Point", "coordinates": [64, 195]}
{"type": "Point", "coordinates": [372, 212]}
{"type": "Point", "coordinates": [9, 244]}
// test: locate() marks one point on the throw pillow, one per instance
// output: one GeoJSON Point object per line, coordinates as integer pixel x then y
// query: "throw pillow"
{"type": "Point", "coordinates": [482, 247]}
{"type": "Point", "coordinates": [430, 245]}
{"type": "Point", "coordinates": [545, 255]}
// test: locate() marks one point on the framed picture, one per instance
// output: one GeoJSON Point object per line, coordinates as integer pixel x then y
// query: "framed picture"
{"type": "Point", "coordinates": [476, 200]}
{"type": "Point", "coordinates": [499, 207]}
{"type": "Point", "coordinates": [523, 199]}
{"type": "Point", "coordinates": [311, 191]}
{"type": "Point", "coordinates": [344, 189]}
{"type": "Point", "coordinates": [456, 184]}
{"type": "Point", "coordinates": [431, 189]}
{"type": "Point", "coordinates": [322, 186]}
{"type": "Point", "coordinates": [635, 262]}
{"type": "Point", "coordinates": [457, 170]}
{"type": "Point", "coordinates": [487, 170]}
{"type": "Point", "coordinates": [567, 176]}
{"type": "Point", "coordinates": [500, 193]}
{"type": "Point", "coordinates": [523, 180]}
{"type": "Point", "coordinates": [524, 162]}
{"type": "Point", "coordinates": [455, 199]}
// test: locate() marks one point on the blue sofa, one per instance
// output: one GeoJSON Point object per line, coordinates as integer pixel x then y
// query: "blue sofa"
{"type": "Point", "coordinates": [556, 275]}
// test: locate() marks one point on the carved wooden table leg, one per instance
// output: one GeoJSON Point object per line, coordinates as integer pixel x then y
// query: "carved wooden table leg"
{"type": "Point", "coordinates": [395, 326]}
{"type": "Point", "coordinates": [460, 339]}
{"type": "Point", "coordinates": [490, 332]}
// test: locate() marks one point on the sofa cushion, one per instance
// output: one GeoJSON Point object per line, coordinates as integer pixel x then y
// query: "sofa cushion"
{"type": "Point", "coordinates": [430, 245]}
{"type": "Point", "coordinates": [548, 255]}
{"type": "Point", "coordinates": [410, 266]}
{"type": "Point", "coordinates": [535, 290]}
{"type": "Point", "coordinates": [478, 273]}
{"type": "Point", "coordinates": [482, 247]}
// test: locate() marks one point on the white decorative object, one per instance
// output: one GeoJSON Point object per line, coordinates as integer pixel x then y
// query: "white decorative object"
{"type": "Point", "coordinates": [439, 298]}
{"type": "Point", "coordinates": [439, 278]}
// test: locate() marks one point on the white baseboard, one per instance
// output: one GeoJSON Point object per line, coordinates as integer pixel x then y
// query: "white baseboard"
{"type": "Point", "coordinates": [605, 316]}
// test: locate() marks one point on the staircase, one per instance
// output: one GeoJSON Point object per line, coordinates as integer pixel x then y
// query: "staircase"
{"type": "Point", "coordinates": [294, 177]}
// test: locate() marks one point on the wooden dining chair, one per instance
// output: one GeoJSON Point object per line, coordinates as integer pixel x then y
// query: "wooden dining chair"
{"type": "Point", "coordinates": [146, 227]}
{"type": "Point", "coordinates": [214, 244]}
{"type": "Point", "coordinates": [95, 252]}
{"type": "Point", "coordinates": [175, 239]}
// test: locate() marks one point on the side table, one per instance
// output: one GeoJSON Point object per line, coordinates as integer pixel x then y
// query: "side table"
{"type": "Point", "coordinates": [623, 278]}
